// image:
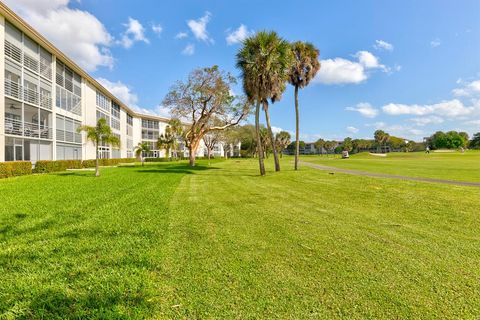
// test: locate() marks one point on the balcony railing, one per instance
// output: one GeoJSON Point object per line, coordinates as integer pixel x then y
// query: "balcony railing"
{"type": "Point", "coordinates": [68, 136]}
{"type": "Point", "coordinates": [15, 90]}
{"type": "Point", "coordinates": [27, 129]}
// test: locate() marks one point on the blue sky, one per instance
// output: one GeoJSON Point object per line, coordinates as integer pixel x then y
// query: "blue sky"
{"type": "Point", "coordinates": [408, 67]}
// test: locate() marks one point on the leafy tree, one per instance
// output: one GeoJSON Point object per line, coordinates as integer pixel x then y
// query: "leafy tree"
{"type": "Point", "coordinates": [347, 144]}
{"type": "Point", "coordinates": [265, 141]}
{"type": "Point", "coordinates": [319, 145]}
{"type": "Point", "coordinates": [141, 149]}
{"type": "Point", "coordinates": [381, 137]}
{"type": "Point", "coordinates": [304, 68]}
{"type": "Point", "coordinates": [449, 140]}
{"type": "Point", "coordinates": [330, 145]}
{"type": "Point", "coordinates": [203, 97]}
{"type": "Point", "coordinates": [396, 142]}
{"type": "Point", "coordinates": [247, 137]}
{"type": "Point", "coordinates": [211, 140]}
{"type": "Point", "coordinates": [167, 140]}
{"type": "Point", "coordinates": [101, 133]}
{"type": "Point", "coordinates": [282, 140]}
{"type": "Point", "coordinates": [264, 61]}
{"type": "Point", "coordinates": [176, 129]}
{"type": "Point", "coordinates": [475, 142]}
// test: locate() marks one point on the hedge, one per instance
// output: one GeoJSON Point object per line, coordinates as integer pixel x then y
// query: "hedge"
{"type": "Point", "coordinates": [15, 168]}
{"type": "Point", "coordinates": [106, 162]}
{"type": "Point", "coordinates": [46, 166]}
{"type": "Point", "coordinates": [158, 159]}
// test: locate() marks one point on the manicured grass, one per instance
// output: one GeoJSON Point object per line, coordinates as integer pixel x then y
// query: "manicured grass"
{"type": "Point", "coordinates": [165, 241]}
{"type": "Point", "coordinates": [453, 166]}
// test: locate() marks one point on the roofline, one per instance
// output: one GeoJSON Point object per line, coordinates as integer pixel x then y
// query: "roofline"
{"type": "Point", "coordinates": [18, 22]}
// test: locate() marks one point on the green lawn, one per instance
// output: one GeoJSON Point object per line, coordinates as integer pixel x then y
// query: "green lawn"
{"type": "Point", "coordinates": [453, 166]}
{"type": "Point", "coordinates": [219, 241]}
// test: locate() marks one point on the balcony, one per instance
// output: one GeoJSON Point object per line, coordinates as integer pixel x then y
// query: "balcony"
{"type": "Point", "coordinates": [27, 129]}
{"type": "Point", "coordinates": [16, 91]}
{"type": "Point", "coordinates": [68, 136]}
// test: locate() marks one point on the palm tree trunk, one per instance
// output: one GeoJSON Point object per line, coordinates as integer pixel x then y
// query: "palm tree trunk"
{"type": "Point", "coordinates": [259, 143]}
{"type": "Point", "coordinates": [97, 169]}
{"type": "Point", "coordinates": [297, 129]}
{"type": "Point", "coordinates": [272, 138]}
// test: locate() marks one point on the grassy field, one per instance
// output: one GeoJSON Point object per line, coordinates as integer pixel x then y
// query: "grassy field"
{"type": "Point", "coordinates": [165, 241]}
{"type": "Point", "coordinates": [453, 166]}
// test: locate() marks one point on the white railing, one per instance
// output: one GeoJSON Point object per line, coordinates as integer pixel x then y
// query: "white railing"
{"type": "Point", "coordinates": [31, 63]}
{"type": "Point", "coordinates": [68, 136]}
{"type": "Point", "coordinates": [27, 129]}
{"type": "Point", "coordinates": [69, 101]}
{"type": "Point", "coordinates": [13, 51]}
{"type": "Point", "coordinates": [13, 89]}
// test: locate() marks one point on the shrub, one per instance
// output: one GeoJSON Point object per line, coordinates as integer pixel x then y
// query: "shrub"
{"type": "Point", "coordinates": [15, 168]}
{"type": "Point", "coordinates": [46, 166]}
{"type": "Point", "coordinates": [158, 159]}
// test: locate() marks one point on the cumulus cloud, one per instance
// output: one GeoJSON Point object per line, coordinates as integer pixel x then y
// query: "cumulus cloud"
{"type": "Point", "coordinates": [181, 35]}
{"type": "Point", "coordinates": [238, 35]}
{"type": "Point", "coordinates": [468, 89]}
{"type": "Point", "coordinates": [344, 71]}
{"type": "Point", "coordinates": [365, 109]}
{"type": "Point", "coordinates": [352, 129]}
{"type": "Point", "coordinates": [121, 91]}
{"type": "Point", "coordinates": [423, 121]}
{"type": "Point", "coordinates": [276, 130]}
{"type": "Point", "coordinates": [134, 32]}
{"type": "Point", "coordinates": [157, 28]}
{"type": "Point", "coordinates": [397, 129]}
{"type": "Point", "coordinates": [65, 28]}
{"type": "Point", "coordinates": [435, 43]}
{"type": "Point", "coordinates": [450, 108]}
{"type": "Point", "coordinates": [199, 28]}
{"type": "Point", "coordinates": [189, 49]}
{"type": "Point", "coordinates": [383, 45]}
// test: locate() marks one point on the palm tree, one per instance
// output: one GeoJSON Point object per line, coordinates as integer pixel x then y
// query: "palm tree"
{"type": "Point", "coordinates": [304, 68]}
{"type": "Point", "coordinates": [140, 149]}
{"type": "Point", "coordinates": [381, 137]}
{"type": "Point", "coordinates": [282, 140]}
{"type": "Point", "coordinates": [264, 61]}
{"type": "Point", "coordinates": [101, 133]}
{"type": "Point", "coordinates": [167, 141]}
{"type": "Point", "coordinates": [176, 129]}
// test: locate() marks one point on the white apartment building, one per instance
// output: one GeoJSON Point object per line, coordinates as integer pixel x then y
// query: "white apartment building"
{"type": "Point", "coordinates": [45, 97]}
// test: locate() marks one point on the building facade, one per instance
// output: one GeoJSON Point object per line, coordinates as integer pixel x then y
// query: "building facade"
{"type": "Point", "coordinates": [45, 97]}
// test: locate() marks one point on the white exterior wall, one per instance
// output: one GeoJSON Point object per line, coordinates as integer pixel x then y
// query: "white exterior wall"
{"type": "Point", "coordinates": [89, 114]}
{"type": "Point", "coordinates": [2, 89]}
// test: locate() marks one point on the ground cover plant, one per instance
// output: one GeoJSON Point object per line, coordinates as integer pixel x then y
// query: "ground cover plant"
{"type": "Point", "coordinates": [219, 241]}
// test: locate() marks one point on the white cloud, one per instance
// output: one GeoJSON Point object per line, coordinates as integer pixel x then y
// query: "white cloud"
{"type": "Point", "coordinates": [276, 130]}
{"type": "Point", "coordinates": [352, 129]}
{"type": "Point", "coordinates": [398, 130]}
{"type": "Point", "coordinates": [369, 61]}
{"type": "Point", "coordinates": [65, 28]}
{"type": "Point", "coordinates": [189, 49]}
{"type": "Point", "coordinates": [365, 109]}
{"type": "Point", "coordinates": [450, 108]}
{"type": "Point", "coordinates": [473, 122]}
{"type": "Point", "coordinates": [469, 89]}
{"type": "Point", "coordinates": [343, 71]}
{"type": "Point", "coordinates": [121, 91]}
{"type": "Point", "coordinates": [199, 28]}
{"type": "Point", "coordinates": [135, 32]}
{"type": "Point", "coordinates": [157, 28]}
{"type": "Point", "coordinates": [381, 44]}
{"type": "Point", "coordinates": [435, 43]}
{"type": "Point", "coordinates": [238, 35]}
{"type": "Point", "coordinates": [423, 121]}
{"type": "Point", "coordinates": [181, 35]}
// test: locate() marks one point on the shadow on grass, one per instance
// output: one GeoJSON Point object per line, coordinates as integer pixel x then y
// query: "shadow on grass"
{"type": "Point", "coordinates": [183, 169]}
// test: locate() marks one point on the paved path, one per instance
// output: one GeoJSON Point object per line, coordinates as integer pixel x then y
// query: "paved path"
{"type": "Point", "coordinates": [391, 176]}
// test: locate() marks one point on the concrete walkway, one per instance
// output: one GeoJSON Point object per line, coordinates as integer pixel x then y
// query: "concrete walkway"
{"type": "Point", "coordinates": [386, 175]}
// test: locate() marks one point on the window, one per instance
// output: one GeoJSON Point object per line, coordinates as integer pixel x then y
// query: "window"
{"type": "Point", "coordinates": [69, 151]}
{"type": "Point", "coordinates": [129, 120]}
{"type": "Point", "coordinates": [101, 115]}
{"type": "Point", "coordinates": [149, 124]}
{"type": "Point", "coordinates": [103, 102]}
{"type": "Point", "coordinates": [67, 130]}
{"type": "Point", "coordinates": [115, 110]}
{"type": "Point", "coordinates": [68, 90]}
{"type": "Point", "coordinates": [115, 124]}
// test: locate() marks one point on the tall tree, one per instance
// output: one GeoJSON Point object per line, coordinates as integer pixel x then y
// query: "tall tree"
{"type": "Point", "coordinates": [282, 140]}
{"type": "Point", "coordinates": [101, 133]}
{"type": "Point", "coordinates": [140, 150]}
{"type": "Point", "coordinates": [176, 129]}
{"type": "Point", "coordinates": [381, 137]}
{"type": "Point", "coordinates": [475, 142]}
{"type": "Point", "coordinates": [304, 68]}
{"type": "Point", "coordinates": [264, 61]}
{"type": "Point", "coordinates": [319, 145]}
{"type": "Point", "coordinates": [211, 140]}
{"type": "Point", "coordinates": [203, 97]}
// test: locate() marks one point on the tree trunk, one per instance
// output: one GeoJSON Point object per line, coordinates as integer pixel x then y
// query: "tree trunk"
{"type": "Point", "coordinates": [272, 138]}
{"type": "Point", "coordinates": [97, 169]}
{"type": "Point", "coordinates": [297, 129]}
{"type": "Point", "coordinates": [191, 156]}
{"type": "Point", "coordinates": [208, 153]}
{"type": "Point", "coordinates": [259, 144]}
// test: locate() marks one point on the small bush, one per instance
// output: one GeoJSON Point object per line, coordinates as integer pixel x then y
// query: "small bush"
{"type": "Point", "coordinates": [15, 168]}
{"type": "Point", "coordinates": [46, 166]}
{"type": "Point", "coordinates": [158, 159]}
